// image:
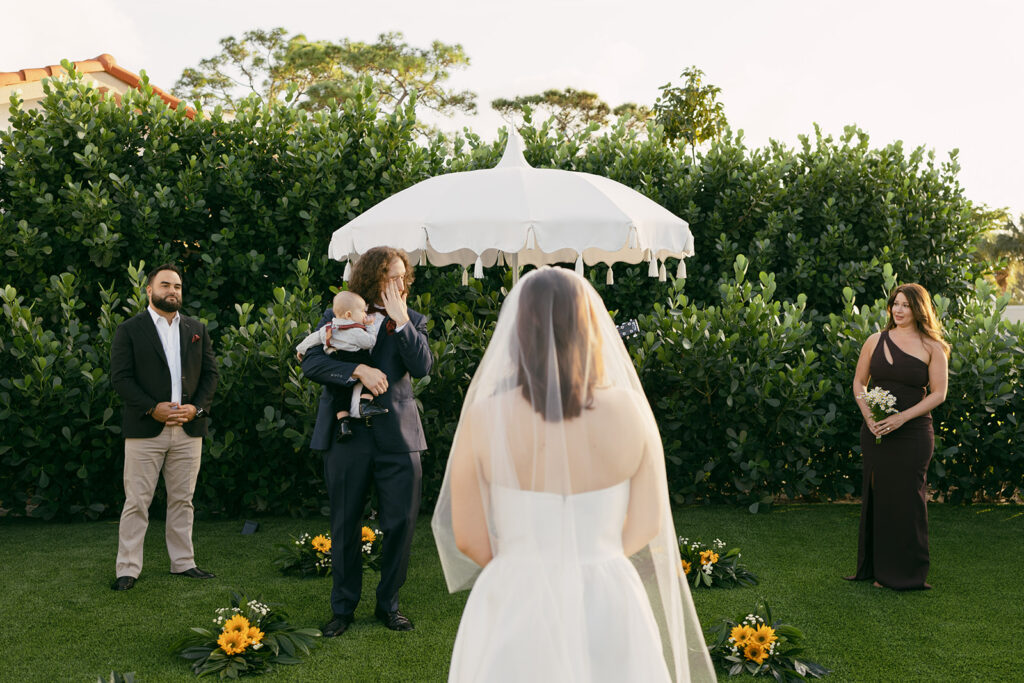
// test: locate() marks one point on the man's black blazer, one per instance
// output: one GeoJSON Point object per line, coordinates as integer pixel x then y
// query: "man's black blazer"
{"type": "Point", "coordinates": [140, 375]}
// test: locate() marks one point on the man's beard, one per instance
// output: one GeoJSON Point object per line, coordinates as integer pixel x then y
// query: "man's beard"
{"type": "Point", "coordinates": [165, 305]}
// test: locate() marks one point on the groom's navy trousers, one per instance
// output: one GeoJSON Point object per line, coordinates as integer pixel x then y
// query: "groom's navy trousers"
{"type": "Point", "coordinates": [349, 470]}
{"type": "Point", "coordinates": [386, 455]}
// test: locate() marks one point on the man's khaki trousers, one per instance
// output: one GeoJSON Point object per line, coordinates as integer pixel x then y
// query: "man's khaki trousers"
{"type": "Point", "coordinates": [177, 455]}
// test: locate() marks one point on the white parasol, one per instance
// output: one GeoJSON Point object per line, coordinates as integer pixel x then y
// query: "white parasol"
{"type": "Point", "coordinates": [518, 215]}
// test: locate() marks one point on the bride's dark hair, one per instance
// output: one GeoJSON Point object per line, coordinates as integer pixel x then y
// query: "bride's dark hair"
{"type": "Point", "coordinates": [554, 310]}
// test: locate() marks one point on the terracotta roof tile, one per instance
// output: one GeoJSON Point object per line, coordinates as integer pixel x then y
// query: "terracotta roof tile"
{"type": "Point", "coordinates": [103, 62]}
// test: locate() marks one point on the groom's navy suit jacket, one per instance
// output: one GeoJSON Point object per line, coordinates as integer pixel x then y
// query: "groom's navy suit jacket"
{"type": "Point", "coordinates": [399, 355]}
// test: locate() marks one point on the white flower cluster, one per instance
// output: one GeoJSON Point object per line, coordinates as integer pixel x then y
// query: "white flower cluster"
{"type": "Point", "coordinates": [225, 613]}
{"type": "Point", "coordinates": [303, 539]}
{"type": "Point", "coordinates": [324, 563]}
{"type": "Point", "coordinates": [719, 544]}
{"type": "Point", "coordinates": [708, 568]}
{"type": "Point", "coordinates": [880, 399]}
{"type": "Point", "coordinates": [685, 541]}
{"type": "Point", "coordinates": [258, 608]}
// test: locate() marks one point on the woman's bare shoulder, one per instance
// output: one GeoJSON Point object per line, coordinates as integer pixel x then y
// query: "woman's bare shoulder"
{"type": "Point", "coordinates": [933, 347]}
{"type": "Point", "coordinates": [618, 404]}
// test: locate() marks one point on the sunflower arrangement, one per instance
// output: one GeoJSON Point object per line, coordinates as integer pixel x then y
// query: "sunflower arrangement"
{"type": "Point", "coordinates": [306, 556]}
{"type": "Point", "coordinates": [250, 639]}
{"type": "Point", "coordinates": [758, 645]}
{"type": "Point", "coordinates": [371, 547]}
{"type": "Point", "coordinates": [713, 565]}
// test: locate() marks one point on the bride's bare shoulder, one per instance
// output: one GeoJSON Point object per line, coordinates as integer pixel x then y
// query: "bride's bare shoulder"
{"type": "Point", "coordinates": [617, 404]}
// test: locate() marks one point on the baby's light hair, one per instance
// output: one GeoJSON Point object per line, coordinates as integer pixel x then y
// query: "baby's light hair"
{"type": "Point", "coordinates": [346, 302]}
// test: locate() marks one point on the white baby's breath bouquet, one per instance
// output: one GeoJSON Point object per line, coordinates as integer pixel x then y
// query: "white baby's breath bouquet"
{"type": "Point", "coordinates": [881, 403]}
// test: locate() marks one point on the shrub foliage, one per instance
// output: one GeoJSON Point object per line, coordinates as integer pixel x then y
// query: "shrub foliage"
{"type": "Point", "coordinates": [749, 376]}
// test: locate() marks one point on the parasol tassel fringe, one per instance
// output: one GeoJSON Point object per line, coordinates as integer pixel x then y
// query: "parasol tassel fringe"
{"type": "Point", "coordinates": [531, 239]}
{"type": "Point", "coordinates": [423, 257]}
{"type": "Point", "coordinates": [681, 269]}
{"type": "Point", "coordinates": [662, 275]}
{"type": "Point", "coordinates": [465, 277]}
{"type": "Point", "coordinates": [652, 269]}
{"type": "Point", "coordinates": [609, 279]}
{"type": "Point", "coordinates": [478, 269]}
{"type": "Point", "coordinates": [348, 271]}
{"type": "Point", "coordinates": [579, 265]}
{"type": "Point", "coordinates": [632, 238]}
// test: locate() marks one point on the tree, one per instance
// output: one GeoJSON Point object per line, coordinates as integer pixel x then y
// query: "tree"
{"type": "Point", "coordinates": [573, 110]}
{"type": "Point", "coordinates": [1003, 249]}
{"type": "Point", "coordinates": [269, 64]}
{"type": "Point", "coordinates": [691, 112]}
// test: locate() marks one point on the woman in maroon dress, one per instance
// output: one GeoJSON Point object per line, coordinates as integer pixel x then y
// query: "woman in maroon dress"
{"type": "Point", "coordinates": [909, 358]}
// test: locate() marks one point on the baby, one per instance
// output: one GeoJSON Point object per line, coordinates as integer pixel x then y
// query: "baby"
{"type": "Point", "coordinates": [348, 339]}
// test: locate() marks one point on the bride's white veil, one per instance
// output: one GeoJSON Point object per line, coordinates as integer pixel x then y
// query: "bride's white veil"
{"type": "Point", "coordinates": [556, 407]}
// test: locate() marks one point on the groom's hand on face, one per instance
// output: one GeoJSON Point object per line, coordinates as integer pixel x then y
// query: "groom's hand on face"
{"type": "Point", "coordinates": [394, 303]}
{"type": "Point", "coordinates": [374, 381]}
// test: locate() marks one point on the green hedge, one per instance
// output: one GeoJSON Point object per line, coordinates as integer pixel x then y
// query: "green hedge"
{"type": "Point", "coordinates": [88, 186]}
{"type": "Point", "coordinates": [749, 377]}
{"type": "Point", "coordinates": [754, 402]}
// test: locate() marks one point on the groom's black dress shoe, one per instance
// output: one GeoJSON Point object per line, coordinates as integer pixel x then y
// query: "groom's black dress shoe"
{"type": "Point", "coordinates": [336, 626]}
{"type": "Point", "coordinates": [195, 573]}
{"type": "Point", "coordinates": [124, 583]}
{"type": "Point", "coordinates": [396, 621]}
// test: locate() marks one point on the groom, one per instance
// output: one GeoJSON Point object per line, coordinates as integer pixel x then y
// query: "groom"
{"type": "Point", "coordinates": [384, 450]}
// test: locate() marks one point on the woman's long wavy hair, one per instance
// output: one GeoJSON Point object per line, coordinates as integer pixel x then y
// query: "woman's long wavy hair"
{"type": "Point", "coordinates": [369, 274]}
{"type": "Point", "coordinates": [924, 313]}
{"type": "Point", "coordinates": [554, 309]}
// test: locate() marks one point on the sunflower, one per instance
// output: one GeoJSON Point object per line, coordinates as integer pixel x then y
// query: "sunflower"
{"type": "Point", "coordinates": [686, 567]}
{"type": "Point", "coordinates": [755, 653]}
{"type": "Point", "coordinates": [255, 635]}
{"type": "Point", "coordinates": [368, 535]}
{"type": "Point", "coordinates": [708, 557]}
{"type": "Point", "coordinates": [232, 642]}
{"type": "Point", "coordinates": [741, 634]}
{"type": "Point", "coordinates": [764, 635]}
{"type": "Point", "coordinates": [237, 623]}
{"type": "Point", "coordinates": [322, 543]}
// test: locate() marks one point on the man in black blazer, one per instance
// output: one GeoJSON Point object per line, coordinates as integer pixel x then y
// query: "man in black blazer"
{"type": "Point", "coordinates": [162, 366]}
{"type": "Point", "coordinates": [384, 451]}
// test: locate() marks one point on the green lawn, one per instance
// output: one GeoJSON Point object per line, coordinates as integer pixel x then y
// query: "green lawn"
{"type": "Point", "coordinates": [60, 621]}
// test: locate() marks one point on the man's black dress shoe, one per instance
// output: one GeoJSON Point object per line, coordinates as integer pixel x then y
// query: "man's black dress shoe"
{"type": "Point", "coordinates": [336, 626]}
{"type": "Point", "coordinates": [195, 573]}
{"type": "Point", "coordinates": [124, 583]}
{"type": "Point", "coordinates": [396, 621]}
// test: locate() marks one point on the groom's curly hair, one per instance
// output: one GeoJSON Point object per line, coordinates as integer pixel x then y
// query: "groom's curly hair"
{"type": "Point", "coordinates": [371, 270]}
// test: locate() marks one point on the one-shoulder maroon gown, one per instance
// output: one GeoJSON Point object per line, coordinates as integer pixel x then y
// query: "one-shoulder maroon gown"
{"type": "Point", "coordinates": [893, 544]}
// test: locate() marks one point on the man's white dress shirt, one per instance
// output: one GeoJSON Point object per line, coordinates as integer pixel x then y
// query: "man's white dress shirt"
{"type": "Point", "coordinates": [170, 337]}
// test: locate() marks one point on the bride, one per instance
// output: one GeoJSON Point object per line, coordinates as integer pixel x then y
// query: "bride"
{"type": "Point", "coordinates": [556, 488]}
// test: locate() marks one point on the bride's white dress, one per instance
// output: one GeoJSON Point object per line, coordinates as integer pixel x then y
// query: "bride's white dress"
{"type": "Point", "coordinates": [559, 601]}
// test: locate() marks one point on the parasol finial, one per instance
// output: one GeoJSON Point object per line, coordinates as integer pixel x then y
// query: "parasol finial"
{"type": "Point", "coordinates": [513, 156]}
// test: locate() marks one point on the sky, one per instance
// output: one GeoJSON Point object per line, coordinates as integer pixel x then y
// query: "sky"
{"type": "Point", "coordinates": [940, 73]}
